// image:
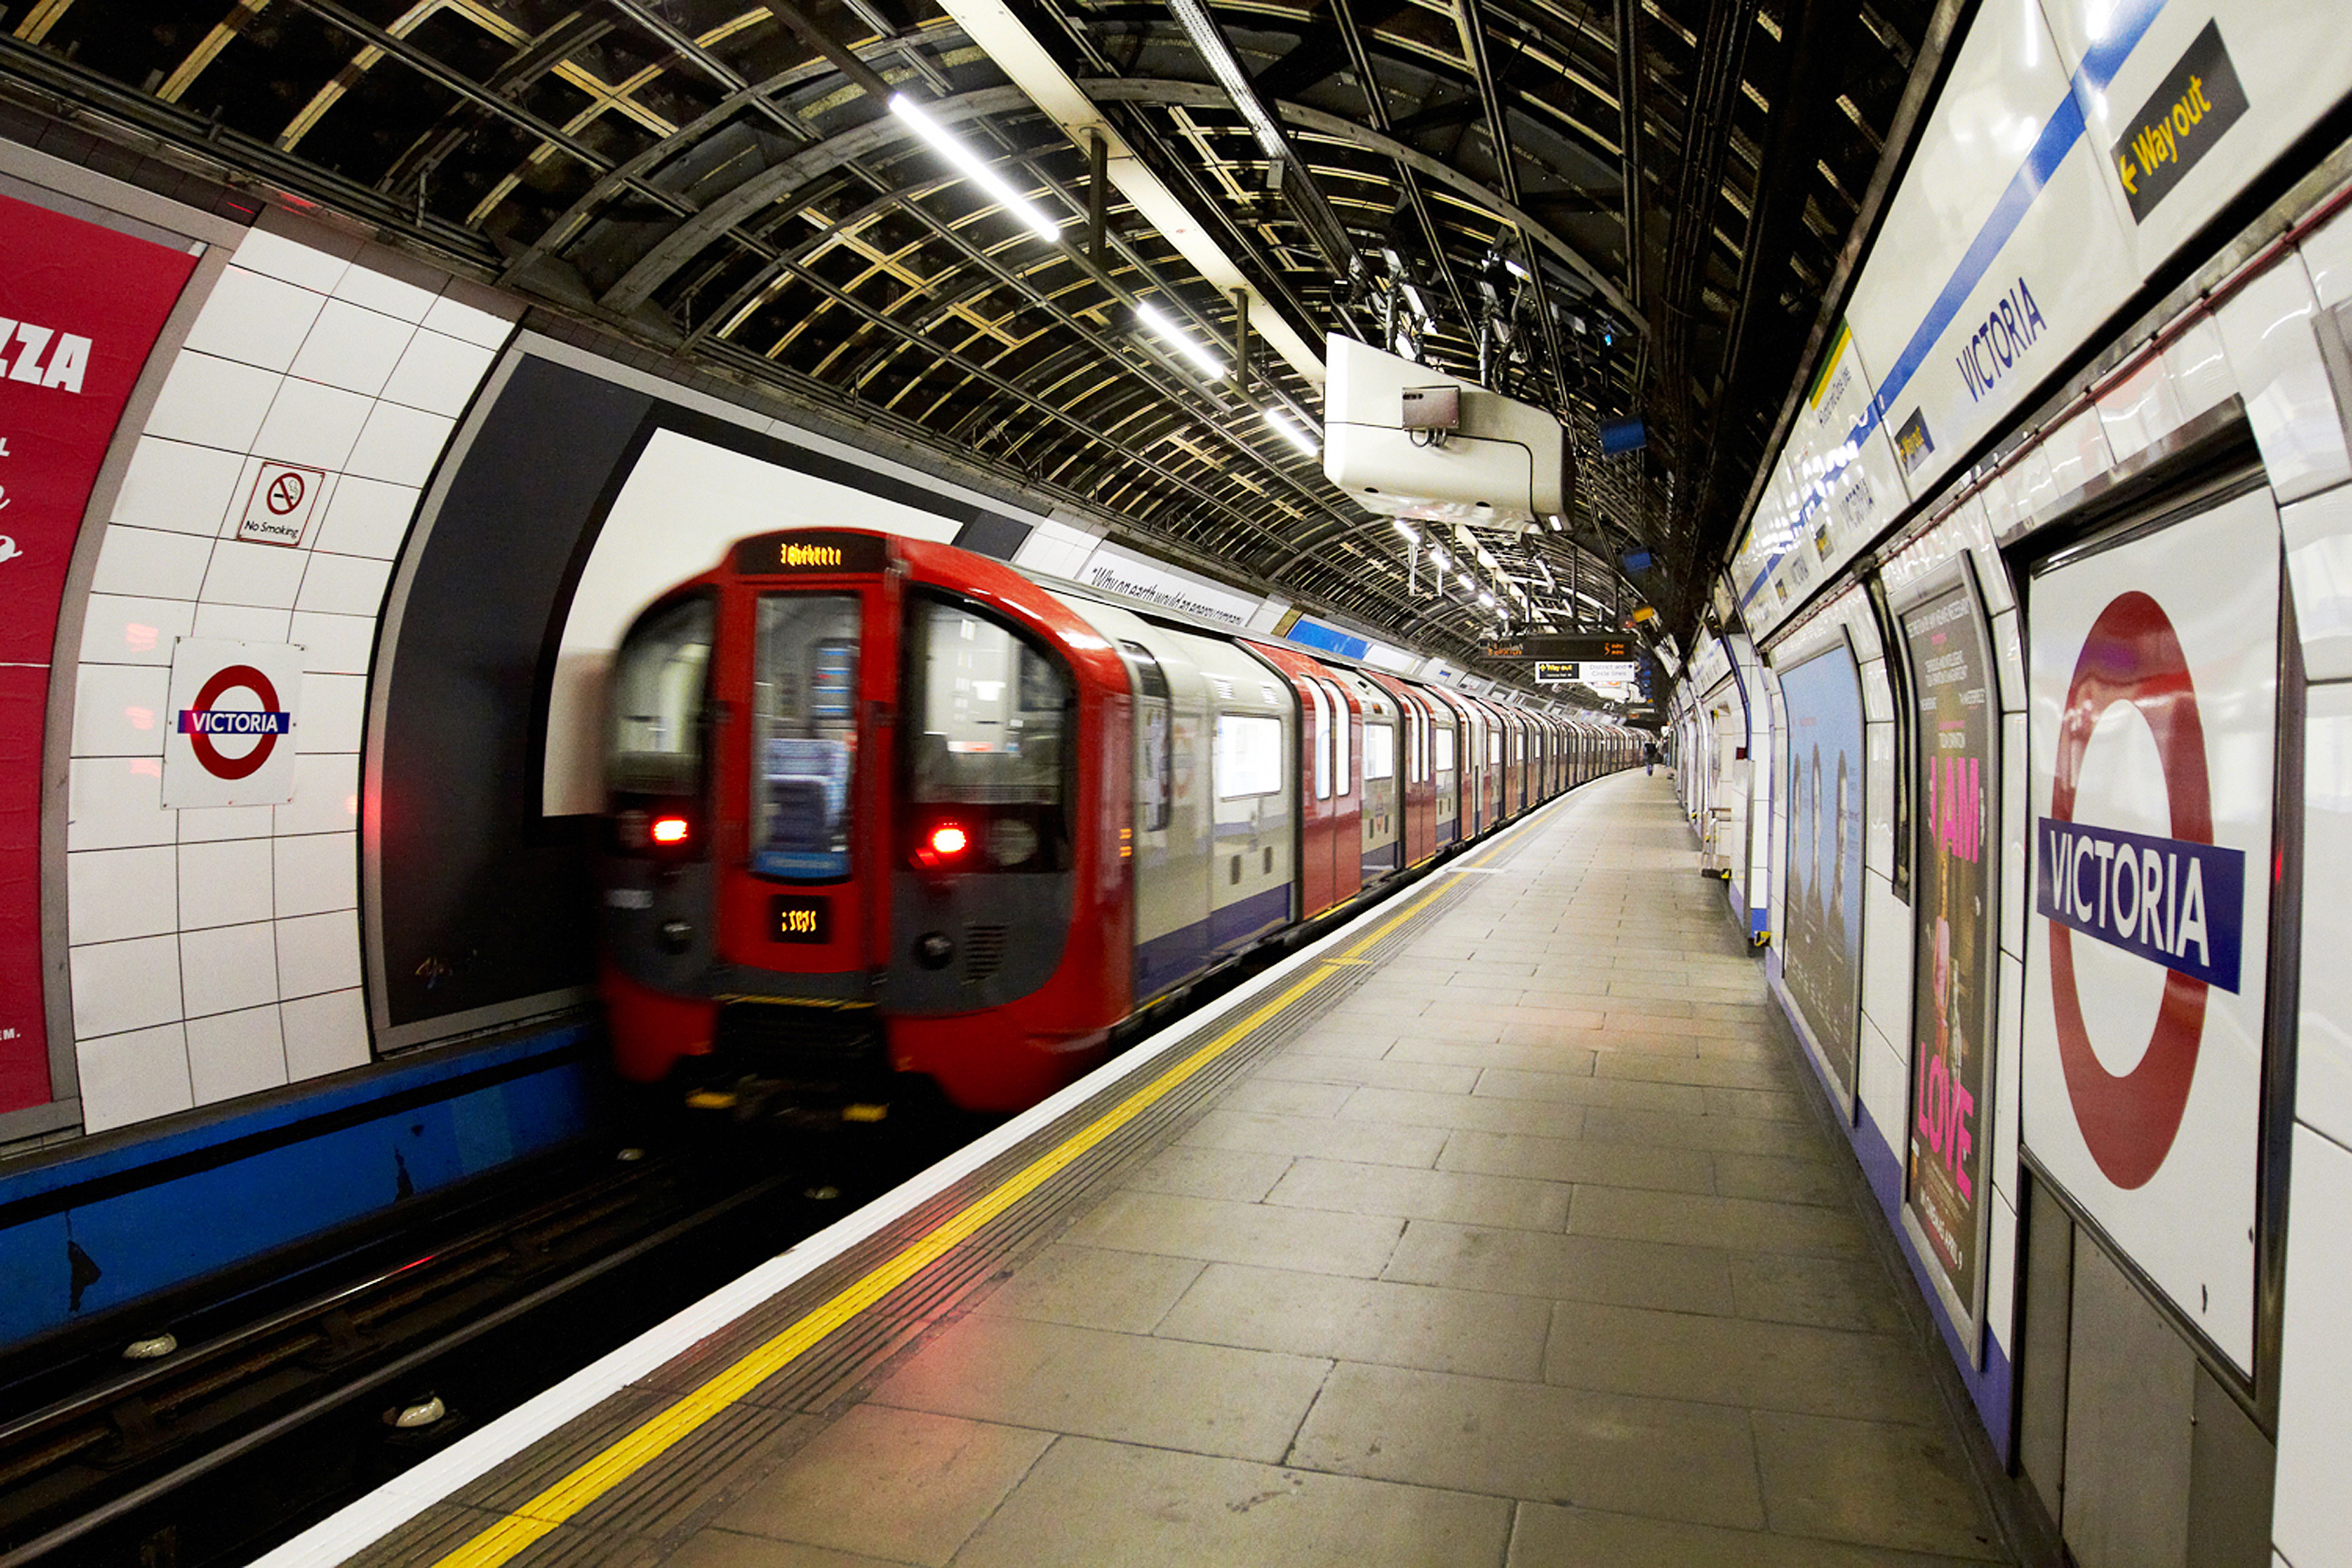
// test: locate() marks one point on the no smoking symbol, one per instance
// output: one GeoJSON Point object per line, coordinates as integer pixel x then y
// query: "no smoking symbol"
{"type": "Point", "coordinates": [285, 493]}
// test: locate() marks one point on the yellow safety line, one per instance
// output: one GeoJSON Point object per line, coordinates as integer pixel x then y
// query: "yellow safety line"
{"type": "Point", "coordinates": [676, 1422]}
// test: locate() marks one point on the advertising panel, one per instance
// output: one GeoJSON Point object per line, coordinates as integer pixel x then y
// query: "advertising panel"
{"type": "Point", "coordinates": [80, 306]}
{"type": "Point", "coordinates": [1821, 938]}
{"type": "Point", "coordinates": [1956, 939]}
{"type": "Point", "coordinates": [2153, 693]}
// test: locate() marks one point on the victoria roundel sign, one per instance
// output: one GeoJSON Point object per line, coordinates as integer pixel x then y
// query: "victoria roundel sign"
{"type": "Point", "coordinates": [230, 734]}
{"type": "Point", "coordinates": [2154, 698]}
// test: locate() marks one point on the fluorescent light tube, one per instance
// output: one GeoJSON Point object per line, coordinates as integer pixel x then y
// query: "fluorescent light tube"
{"type": "Point", "coordinates": [1297, 438]}
{"type": "Point", "coordinates": [1209, 364]}
{"type": "Point", "coordinates": [974, 169]}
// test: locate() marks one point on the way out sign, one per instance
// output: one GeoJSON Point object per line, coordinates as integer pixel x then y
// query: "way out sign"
{"type": "Point", "coordinates": [229, 731]}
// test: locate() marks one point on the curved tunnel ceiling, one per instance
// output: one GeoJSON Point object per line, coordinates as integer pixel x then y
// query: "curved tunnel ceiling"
{"type": "Point", "coordinates": [1624, 209]}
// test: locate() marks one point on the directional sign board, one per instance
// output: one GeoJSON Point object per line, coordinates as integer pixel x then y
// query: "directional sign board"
{"type": "Point", "coordinates": [1605, 649]}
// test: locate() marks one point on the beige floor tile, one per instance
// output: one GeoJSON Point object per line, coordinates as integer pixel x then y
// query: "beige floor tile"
{"type": "Point", "coordinates": [1866, 1482]}
{"type": "Point", "coordinates": [1581, 1161]}
{"type": "Point", "coordinates": [1367, 1143]}
{"type": "Point", "coordinates": [1347, 1040]}
{"type": "Point", "coordinates": [1694, 1220]}
{"type": "Point", "coordinates": [1780, 1180]}
{"type": "Point", "coordinates": [1556, 1054]}
{"type": "Point", "coordinates": [1222, 1232]}
{"type": "Point", "coordinates": [1658, 1067]}
{"type": "Point", "coordinates": [1202, 1398]}
{"type": "Point", "coordinates": [1275, 1097]}
{"type": "Point", "coordinates": [943, 1477]}
{"type": "Point", "coordinates": [1403, 1108]}
{"type": "Point", "coordinates": [1658, 1457]}
{"type": "Point", "coordinates": [1371, 1320]}
{"type": "Point", "coordinates": [1195, 1172]}
{"type": "Point", "coordinates": [1432, 1194]}
{"type": "Point", "coordinates": [1744, 1361]}
{"type": "Point", "coordinates": [725, 1548]}
{"type": "Point", "coordinates": [1563, 1268]}
{"type": "Point", "coordinates": [1737, 1135]}
{"type": "Point", "coordinates": [1827, 1293]}
{"type": "Point", "coordinates": [1105, 1505]}
{"type": "Point", "coordinates": [1625, 1093]}
{"type": "Point", "coordinates": [1547, 1536]}
{"type": "Point", "coordinates": [1423, 1077]}
{"type": "Point", "coordinates": [1771, 1104]}
{"type": "Point", "coordinates": [1093, 1288]}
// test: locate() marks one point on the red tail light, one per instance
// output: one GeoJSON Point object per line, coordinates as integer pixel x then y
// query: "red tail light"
{"type": "Point", "coordinates": [669, 830]}
{"type": "Point", "coordinates": [948, 841]}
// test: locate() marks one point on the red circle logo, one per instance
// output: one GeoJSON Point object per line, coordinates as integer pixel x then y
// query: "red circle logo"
{"type": "Point", "coordinates": [235, 678]}
{"type": "Point", "coordinates": [2133, 655]}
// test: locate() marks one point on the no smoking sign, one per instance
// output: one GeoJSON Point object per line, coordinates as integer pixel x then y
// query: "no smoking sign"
{"type": "Point", "coordinates": [278, 510]}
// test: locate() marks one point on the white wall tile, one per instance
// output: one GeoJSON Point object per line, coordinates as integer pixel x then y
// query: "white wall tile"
{"type": "Point", "coordinates": [2327, 258]}
{"type": "Point", "coordinates": [325, 1033]}
{"type": "Point", "coordinates": [267, 575]}
{"type": "Point", "coordinates": [114, 894]}
{"type": "Point", "coordinates": [119, 710]}
{"type": "Point", "coordinates": [2008, 1072]}
{"type": "Point", "coordinates": [353, 348]}
{"type": "Point", "coordinates": [2140, 409]}
{"type": "Point", "coordinates": [399, 445]}
{"type": "Point", "coordinates": [2077, 451]}
{"type": "Point", "coordinates": [1883, 1085]}
{"type": "Point", "coordinates": [2000, 1269]}
{"type": "Point", "coordinates": [226, 883]}
{"type": "Point", "coordinates": [239, 623]}
{"type": "Point", "coordinates": [178, 487]}
{"type": "Point", "coordinates": [461, 317]}
{"type": "Point", "coordinates": [2318, 532]}
{"type": "Point", "coordinates": [333, 708]}
{"type": "Point", "coordinates": [1877, 696]}
{"type": "Point", "coordinates": [326, 798]}
{"type": "Point", "coordinates": [367, 516]}
{"type": "Point", "coordinates": [2308, 1519]}
{"type": "Point", "coordinates": [211, 824]}
{"type": "Point", "coordinates": [119, 630]}
{"type": "Point", "coordinates": [213, 402]}
{"type": "Point", "coordinates": [386, 280]}
{"type": "Point", "coordinates": [2266, 331]}
{"type": "Point", "coordinates": [1886, 958]}
{"type": "Point", "coordinates": [255, 319]}
{"type": "Point", "coordinates": [115, 802]}
{"type": "Point", "coordinates": [317, 872]}
{"type": "Point", "coordinates": [334, 644]}
{"type": "Point", "coordinates": [2031, 488]}
{"type": "Point", "coordinates": [285, 246]}
{"type": "Point", "coordinates": [1878, 798]}
{"type": "Point", "coordinates": [120, 985]}
{"type": "Point", "coordinates": [132, 1077]}
{"type": "Point", "coordinates": [2199, 367]}
{"type": "Point", "coordinates": [2009, 658]}
{"type": "Point", "coordinates": [2322, 1074]}
{"type": "Point", "coordinates": [343, 584]}
{"type": "Point", "coordinates": [227, 968]}
{"type": "Point", "coordinates": [439, 373]}
{"type": "Point", "coordinates": [2014, 875]}
{"type": "Point", "coordinates": [311, 424]}
{"type": "Point", "coordinates": [318, 952]}
{"type": "Point", "coordinates": [147, 564]}
{"type": "Point", "coordinates": [235, 1053]}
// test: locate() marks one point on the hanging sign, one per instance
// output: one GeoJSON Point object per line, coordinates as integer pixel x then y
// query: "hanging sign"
{"type": "Point", "coordinates": [80, 306]}
{"type": "Point", "coordinates": [2154, 700]}
{"type": "Point", "coordinates": [230, 741]}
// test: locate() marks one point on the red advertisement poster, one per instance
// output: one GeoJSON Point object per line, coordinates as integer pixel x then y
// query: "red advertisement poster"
{"type": "Point", "coordinates": [80, 306]}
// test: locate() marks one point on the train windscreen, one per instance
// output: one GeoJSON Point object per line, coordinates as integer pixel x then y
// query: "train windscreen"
{"type": "Point", "coordinates": [660, 679]}
{"type": "Point", "coordinates": [992, 717]}
{"type": "Point", "coordinates": [804, 736]}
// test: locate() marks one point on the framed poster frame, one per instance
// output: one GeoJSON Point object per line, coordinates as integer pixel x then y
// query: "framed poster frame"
{"type": "Point", "coordinates": [1963, 1305]}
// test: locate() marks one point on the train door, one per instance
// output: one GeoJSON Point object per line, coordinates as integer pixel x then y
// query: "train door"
{"type": "Point", "coordinates": [1327, 827]}
{"type": "Point", "coordinates": [1377, 771]}
{"type": "Point", "coordinates": [1475, 818]}
{"type": "Point", "coordinates": [1254, 787]}
{"type": "Point", "coordinates": [1347, 867]}
{"type": "Point", "coordinates": [1445, 768]}
{"type": "Point", "coordinates": [1415, 800]}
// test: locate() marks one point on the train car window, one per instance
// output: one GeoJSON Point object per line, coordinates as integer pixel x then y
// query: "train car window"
{"type": "Point", "coordinates": [658, 690]}
{"type": "Point", "coordinates": [1323, 741]}
{"type": "Point", "coordinates": [804, 734]}
{"type": "Point", "coordinates": [1156, 770]}
{"type": "Point", "coordinates": [1339, 736]}
{"type": "Point", "coordinates": [1494, 748]}
{"type": "Point", "coordinates": [990, 717]}
{"type": "Point", "coordinates": [1248, 757]}
{"type": "Point", "coordinates": [1442, 741]}
{"type": "Point", "coordinates": [1380, 751]}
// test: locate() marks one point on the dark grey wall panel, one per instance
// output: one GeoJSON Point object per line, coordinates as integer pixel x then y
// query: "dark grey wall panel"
{"type": "Point", "coordinates": [2042, 1354]}
{"type": "Point", "coordinates": [2130, 1401]}
{"type": "Point", "coordinates": [483, 900]}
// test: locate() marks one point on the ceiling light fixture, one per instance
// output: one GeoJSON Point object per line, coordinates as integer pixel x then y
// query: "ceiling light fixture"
{"type": "Point", "coordinates": [975, 167]}
{"type": "Point", "coordinates": [1304, 440]}
{"type": "Point", "coordinates": [1209, 364]}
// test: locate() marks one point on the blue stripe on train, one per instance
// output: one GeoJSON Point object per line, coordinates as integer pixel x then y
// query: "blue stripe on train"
{"type": "Point", "coordinates": [1164, 960]}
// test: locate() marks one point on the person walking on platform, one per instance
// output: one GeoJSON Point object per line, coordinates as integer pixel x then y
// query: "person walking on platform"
{"type": "Point", "coordinates": [1649, 758]}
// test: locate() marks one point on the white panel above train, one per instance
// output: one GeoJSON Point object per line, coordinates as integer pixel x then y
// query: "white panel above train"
{"type": "Point", "coordinates": [2043, 195]}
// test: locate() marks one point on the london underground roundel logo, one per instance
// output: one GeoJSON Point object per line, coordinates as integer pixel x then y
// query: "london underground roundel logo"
{"type": "Point", "coordinates": [203, 722]}
{"type": "Point", "coordinates": [2175, 902]}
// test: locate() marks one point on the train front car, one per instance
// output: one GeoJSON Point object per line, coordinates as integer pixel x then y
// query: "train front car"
{"type": "Point", "coordinates": [868, 803]}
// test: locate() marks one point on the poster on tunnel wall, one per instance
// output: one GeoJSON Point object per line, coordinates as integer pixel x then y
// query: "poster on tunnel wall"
{"type": "Point", "coordinates": [1820, 925]}
{"type": "Point", "coordinates": [1956, 941]}
{"type": "Point", "coordinates": [2153, 694]}
{"type": "Point", "coordinates": [80, 306]}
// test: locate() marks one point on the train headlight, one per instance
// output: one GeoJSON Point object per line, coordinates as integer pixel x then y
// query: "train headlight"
{"type": "Point", "coordinates": [669, 830]}
{"type": "Point", "coordinates": [676, 936]}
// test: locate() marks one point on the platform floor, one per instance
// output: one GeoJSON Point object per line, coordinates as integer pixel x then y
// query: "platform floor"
{"type": "Point", "coordinates": [1528, 1252]}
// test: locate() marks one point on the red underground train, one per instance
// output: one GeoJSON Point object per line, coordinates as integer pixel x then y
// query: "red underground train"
{"type": "Point", "coordinates": [883, 807]}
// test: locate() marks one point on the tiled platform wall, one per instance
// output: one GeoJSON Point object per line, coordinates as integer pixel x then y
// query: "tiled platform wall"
{"type": "Point", "coordinates": [215, 952]}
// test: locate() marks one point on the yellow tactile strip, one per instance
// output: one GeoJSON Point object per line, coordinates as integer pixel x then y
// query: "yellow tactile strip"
{"type": "Point", "coordinates": [610, 1449]}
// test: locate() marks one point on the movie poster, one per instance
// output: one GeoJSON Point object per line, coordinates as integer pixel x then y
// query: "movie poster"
{"type": "Point", "coordinates": [1957, 937]}
{"type": "Point", "coordinates": [1820, 935]}
{"type": "Point", "coordinates": [79, 308]}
